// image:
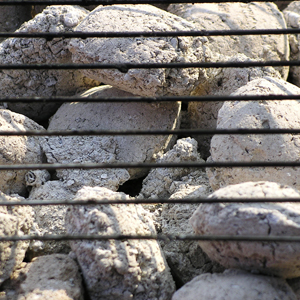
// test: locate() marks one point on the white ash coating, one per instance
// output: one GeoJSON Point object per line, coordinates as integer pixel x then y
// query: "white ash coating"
{"type": "Point", "coordinates": [292, 17]}
{"type": "Point", "coordinates": [85, 150]}
{"type": "Point", "coordinates": [48, 277]}
{"type": "Point", "coordinates": [235, 16]}
{"type": "Point", "coordinates": [109, 149]}
{"type": "Point", "coordinates": [254, 219]}
{"type": "Point", "coordinates": [43, 83]}
{"type": "Point", "coordinates": [142, 82]}
{"type": "Point", "coordinates": [222, 82]}
{"type": "Point", "coordinates": [247, 148]}
{"type": "Point", "coordinates": [235, 285]}
{"type": "Point", "coordinates": [178, 183]}
{"type": "Point", "coordinates": [49, 219]}
{"type": "Point", "coordinates": [36, 9]}
{"type": "Point", "coordinates": [14, 220]}
{"type": "Point", "coordinates": [36, 178]}
{"type": "Point", "coordinates": [185, 258]}
{"type": "Point", "coordinates": [114, 269]}
{"type": "Point", "coordinates": [159, 180]}
{"type": "Point", "coordinates": [17, 150]}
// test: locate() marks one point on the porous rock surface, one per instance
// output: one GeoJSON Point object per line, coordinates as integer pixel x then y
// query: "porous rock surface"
{"type": "Point", "coordinates": [49, 277]}
{"type": "Point", "coordinates": [159, 180]}
{"type": "Point", "coordinates": [292, 17]}
{"type": "Point", "coordinates": [222, 82]}
{"type": "Point", "coordinates": [235, 16]}
{"type": "Point", "coordinates": [143, 82]}
{"type": "Point", "coordinates": [254, 219]}
{"type": "Point", "coordinates": [109, 149]}
{"type": "Point", "coordinates": [179, 183]}
{"type": "Point", "coordinates": [185, 258]}
{"type": "Point", "coordinates": [247, 148]}
{"type": "Point", "coordinates": [235, 285]}
{"type": "Point", "coordinates": [39, 8]}
{"type": "Point", "coordinates": [14, 220]}
{"type": "Point", "coordinates": [49, 219]}
{"type": "Point", "coordinates": [17, 150]}
{"type": "Point", "coordinates": [22, 83]}
{"type": "Point", "coordinates": [115, 269]}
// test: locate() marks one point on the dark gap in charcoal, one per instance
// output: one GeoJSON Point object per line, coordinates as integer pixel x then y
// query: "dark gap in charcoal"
{"type": "Point", "coordinates": [290, 78]}
{"type": "Point", "coordinates": [175, 274]}
{"type": "Point", "coordinates": [132, 187]}
{"type": "Point", "coordinates": [184, 106]}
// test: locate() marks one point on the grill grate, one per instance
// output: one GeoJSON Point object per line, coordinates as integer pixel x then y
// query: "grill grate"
{"type": "Point", "coordinates": [125, 67]}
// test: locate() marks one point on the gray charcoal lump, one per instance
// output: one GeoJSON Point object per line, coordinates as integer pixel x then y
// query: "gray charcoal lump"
{"type": "Point", "coordinates": [255, 219]}
{"type": "Point", "coordinates": [159, 180]}
{"type": "Point", "coordinates": [235, 285]}
{"type": "Point", "coordinates": [222, 82]}
{"type": "Point", "coordinates": [236, 16]}
{"type": "Point", "coordinates": [43, 83]}
{"type": "Point", "coordinates": [115, 269]}
{"type": "Point", "coordinates": [246, 148]}
{"type": "Point", "coordinates": [17, 150]}
{"type": "Point", "coordinates": [142, 82]}
{"type": "Point", "coordinates": [186, 258]}
{"type": "Point", "coordinates": [13, 220]}
{"type": "Point", "coordinates": [49, 277]}
{"type": "Point", "coordinates": [292, 17]}
{"type": "Point", "coordinates": [49, 219]}
{"type": "Point", "coordinates": [109, 149]}
{"type": "Point", "coordinates": [179, 183]}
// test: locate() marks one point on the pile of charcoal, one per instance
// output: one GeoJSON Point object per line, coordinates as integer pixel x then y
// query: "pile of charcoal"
{"type": "Point", "coordinates": [149, 269]}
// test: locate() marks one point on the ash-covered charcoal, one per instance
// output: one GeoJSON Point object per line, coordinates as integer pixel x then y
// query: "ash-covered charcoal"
{"type": "Point", "coordinates": [49, 219]}
{"type": "Point", "coordinates": [149, 268]}
{"type": "Point", "coordinates": [36, 178]}
{"type": "Point", "coordinates": [271, 114]}
{"type": "Point", "coordinates": [173, 219]}
{"type": "Point", "coordinates": [235, 285]}
{"type": "Point", "coordinates": [222, 82]}
{"type": "Point", "coordinates": [186, 257]}
{"type": "Point", "coordinates": [142, 82]}
{"type": "Point", "coordinates": [17, 150]}
{"type": "Point", "coordinates": [37, 9]}
{"type": "Point", "coordinates": [292, 17]}
{"type": "Point", "coordinates": [14, 220]}
{"type": "Point", "coordinates": [43, 83]}
{"type": "Point", "coordinates": [159, 180]}
{"type": "Point", "coordinates": [252, 219]}
{"type": "Point", "coordinates": [118, 269]}
{"type": "Point", "coordinates": [236, 16]}
{"type": "Point", "coordinates": [109, 149]}
{"type": "Point", "coordinates": [54, 276]}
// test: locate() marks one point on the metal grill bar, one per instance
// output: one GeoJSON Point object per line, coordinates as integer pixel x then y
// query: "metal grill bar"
{"type": "Point", "coordinates": [125, 67]}
{"type": "Point", "coordinates": [152, 99]}
{"type": "Point", "coordinates": [151, 132]}
{"type": "Point", "coordinates": [151, 165]}
{"type": "Point", "coordinates": [51, 202]}
{"type": "Point", "coordinates": [152, 237]}
{"type": "Point", "coordinates": [84, 35]}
